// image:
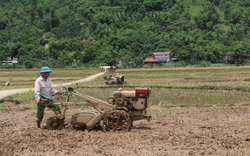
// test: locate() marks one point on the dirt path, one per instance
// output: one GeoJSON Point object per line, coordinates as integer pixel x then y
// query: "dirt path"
{"type": "Point", "coordinates": [5, 93]}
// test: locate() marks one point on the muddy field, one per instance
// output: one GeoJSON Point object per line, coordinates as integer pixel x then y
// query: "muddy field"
{"type": "Point", "coordinates": [180, 131]}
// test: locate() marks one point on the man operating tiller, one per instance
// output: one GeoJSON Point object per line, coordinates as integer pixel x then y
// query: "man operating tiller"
{"type": "Point", "coordinates": [44, 85]}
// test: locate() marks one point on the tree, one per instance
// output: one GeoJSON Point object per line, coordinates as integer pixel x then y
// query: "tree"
{"type": "Point", "coordinates": [55, 48]}
{"type": "Point", "coordinates": [99, 32]}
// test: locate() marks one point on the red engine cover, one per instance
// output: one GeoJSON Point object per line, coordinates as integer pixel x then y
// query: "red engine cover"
{"type": "Point", "coordinates": [142, 92]}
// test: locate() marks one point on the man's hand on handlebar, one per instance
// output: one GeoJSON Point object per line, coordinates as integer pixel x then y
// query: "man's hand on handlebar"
{"type": "Point", "coordinates": [59, 92]}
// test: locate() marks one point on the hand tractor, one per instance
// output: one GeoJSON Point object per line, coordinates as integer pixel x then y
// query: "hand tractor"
{"type": "Point", "coordinates": [117, 79]}
{"type": "Point", "coordinates": [116, 114]}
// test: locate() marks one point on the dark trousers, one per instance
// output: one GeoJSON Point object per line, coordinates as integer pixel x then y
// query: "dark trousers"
{"type": "Point", "coordinates": [40, 110]}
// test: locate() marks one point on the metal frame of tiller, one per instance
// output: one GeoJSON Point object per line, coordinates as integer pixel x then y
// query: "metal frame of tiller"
{"type": "Point", "coordinates": [107, 116]}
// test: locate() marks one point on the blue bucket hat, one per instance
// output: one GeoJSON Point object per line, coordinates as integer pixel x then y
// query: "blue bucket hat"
{"type": "Point", "coordinates": [45, 70]}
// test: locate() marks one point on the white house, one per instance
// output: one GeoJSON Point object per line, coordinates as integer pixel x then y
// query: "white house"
{"type": "Point", "coordinates": [10, 60]}
{"type": "Point", "coordinates": [162, 56]}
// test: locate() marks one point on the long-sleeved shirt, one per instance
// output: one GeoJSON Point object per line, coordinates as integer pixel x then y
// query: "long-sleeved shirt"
{"type": "Point", "coordinates": [43, 86]}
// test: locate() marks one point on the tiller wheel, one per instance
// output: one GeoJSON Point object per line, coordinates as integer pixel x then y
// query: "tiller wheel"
{"type": "Point", "coordinates": [117, 120]}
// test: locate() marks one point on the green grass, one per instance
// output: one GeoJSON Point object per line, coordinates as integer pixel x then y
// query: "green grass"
{"type": "Point", "coordinates": [2, 106]}
{"type": "Point", "coordinates": [186, 97]}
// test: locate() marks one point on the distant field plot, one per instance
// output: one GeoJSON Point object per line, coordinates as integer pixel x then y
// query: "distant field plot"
{"type": "Point", "coordinates": [226, 78]}
{"type": "Point", "coordinates": [26, 78]}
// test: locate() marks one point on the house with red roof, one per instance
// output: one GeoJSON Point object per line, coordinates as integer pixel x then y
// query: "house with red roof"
{"type": "Point", "coordinates": [150, 60]}
{"type": "Point", "coordinates": [160, 57]}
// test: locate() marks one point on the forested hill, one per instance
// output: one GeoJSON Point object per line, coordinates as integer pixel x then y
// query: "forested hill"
{"type": "Point", "coordinates": [98, 32]}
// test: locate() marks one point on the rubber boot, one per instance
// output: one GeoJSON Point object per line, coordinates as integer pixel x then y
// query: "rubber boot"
{"type": "Point", "coordinates": [38, 124]}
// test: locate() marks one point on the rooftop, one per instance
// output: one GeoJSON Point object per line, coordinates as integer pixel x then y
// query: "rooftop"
{"type": "Point", "coordinates": [149, 60]}
{"type": "Point", "coordinates": [161, 53]}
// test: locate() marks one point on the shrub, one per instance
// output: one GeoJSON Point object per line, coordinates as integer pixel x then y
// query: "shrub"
{"type": "Point", "coordinates": [204, 63]}
{"type": "Point", "coordinates": [28, 64]}
{"type": "Point", "coordinates": [181, 64]}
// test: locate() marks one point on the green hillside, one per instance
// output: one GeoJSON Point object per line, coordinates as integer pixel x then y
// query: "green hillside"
{"type": "Point", "coordinates": [103, 32]}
